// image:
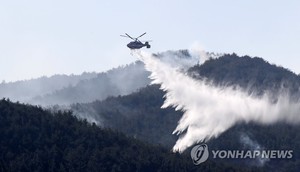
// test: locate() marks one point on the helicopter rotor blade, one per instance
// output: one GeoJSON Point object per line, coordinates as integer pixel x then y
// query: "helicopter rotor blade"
{"type": "Point", "coordinates": [146, 40]}
{"type": "Point", "coordinates": [141, 35]}
{"type": "Point", "coordinates": [129, 36]}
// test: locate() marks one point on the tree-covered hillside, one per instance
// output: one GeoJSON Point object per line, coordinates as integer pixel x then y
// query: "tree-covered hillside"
{"type": "Point", "coordinates": [32, 139]}
{"type": "Point", "coordinates": [138, 115]}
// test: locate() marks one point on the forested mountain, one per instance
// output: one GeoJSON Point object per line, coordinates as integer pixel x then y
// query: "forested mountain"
{"type": "Point", "coordinates": [139, 114]}
{"type": "Point", "coordinates": [25, 90]}
{"type": "Point", "coordinates": [118, 81]}
{"type": "Point", "coordinates": [35, 139]}
{"type": "Point", "coordinates": [32, 139]}
{"type": "Point", "coordinates": [88, 87]}
{"type": "Point", "coordinates": [252, 74]}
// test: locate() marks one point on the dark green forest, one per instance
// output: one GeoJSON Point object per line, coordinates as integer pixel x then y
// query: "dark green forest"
{"type": "Point", "coordinates": [138, 115]}
{"type": "Point", "coordinates": [33, 139]}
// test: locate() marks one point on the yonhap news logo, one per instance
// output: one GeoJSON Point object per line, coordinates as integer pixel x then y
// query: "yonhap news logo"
{"type": "Point", "coordinates": [200, 154]}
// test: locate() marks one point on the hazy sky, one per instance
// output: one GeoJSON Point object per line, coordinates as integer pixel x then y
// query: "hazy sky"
{"type": "Point", "coordinates": [70, 36]}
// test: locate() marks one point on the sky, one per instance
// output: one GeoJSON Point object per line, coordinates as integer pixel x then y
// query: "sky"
{"type": "Point", "coordinates": [43, 38]}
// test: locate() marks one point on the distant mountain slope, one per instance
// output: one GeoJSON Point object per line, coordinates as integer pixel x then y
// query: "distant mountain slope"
{"type": "Point", "coordinates": [118, 81]}
{"type": "Point", "coordinates": [88, 87]}
{"type": "Point", "coordinates": [25, 90]}
{"type": "Point", "coordinates": [32, 139]}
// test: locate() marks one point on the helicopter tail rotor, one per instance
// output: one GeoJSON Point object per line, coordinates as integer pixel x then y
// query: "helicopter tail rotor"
{"type": "Point", "coordinates": [147, 44]}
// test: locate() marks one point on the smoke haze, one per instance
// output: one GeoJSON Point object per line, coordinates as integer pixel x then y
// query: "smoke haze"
{"type": "Point", "coordinates": [210, 110]}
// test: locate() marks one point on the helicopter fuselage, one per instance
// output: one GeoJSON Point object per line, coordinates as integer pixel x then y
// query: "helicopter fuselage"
{"type": "Point", "coordinates": [137, 45]}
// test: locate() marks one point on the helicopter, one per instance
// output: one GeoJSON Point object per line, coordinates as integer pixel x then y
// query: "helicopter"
{"type": "Point", "coordinates": [136, 44]}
